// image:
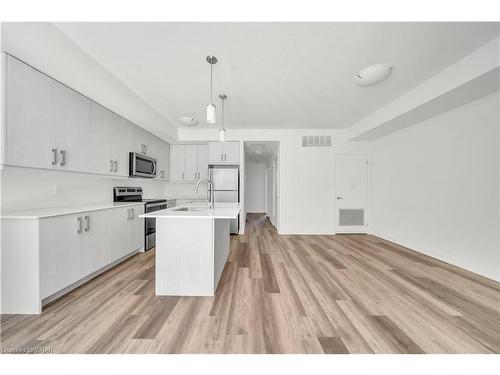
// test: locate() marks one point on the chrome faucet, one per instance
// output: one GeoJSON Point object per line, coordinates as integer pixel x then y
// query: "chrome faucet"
{"type": "Point", "coordinates": [210, 191]}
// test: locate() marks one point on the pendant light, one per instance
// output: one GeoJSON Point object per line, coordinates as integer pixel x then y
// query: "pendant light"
{"type": "Point", "coordinates": [222, 131]}
{"type": "Point", "coordinates": [211, 107]}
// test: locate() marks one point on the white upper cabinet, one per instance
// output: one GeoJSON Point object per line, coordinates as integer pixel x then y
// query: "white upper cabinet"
{"type": "Point", "coordinates": [188, 162]}
{"type": "Point", "coordinates": [101, 132]}
{"type": "Point", "coordinates": [48, 125]}
{"type": "Point", "coordinates": [73, 130]}
{"type": "Point", "coordinates": [202, 161]}
{"type": "Point", "coordinates": [224, 152]}
{"type": "Point", "coordinates": [176, 162]}
{"type": "Point", "coordinates": [32, 116]}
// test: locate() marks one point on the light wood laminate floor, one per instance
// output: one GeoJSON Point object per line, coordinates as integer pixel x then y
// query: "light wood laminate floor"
{"type": "Point", "coordinates": [278, 294]}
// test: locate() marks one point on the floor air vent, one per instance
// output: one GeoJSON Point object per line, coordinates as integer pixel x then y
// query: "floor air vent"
{"type": "Point", "coordinates": [350, 217]}
{"type": "Point", "coordinates": [316, 141]}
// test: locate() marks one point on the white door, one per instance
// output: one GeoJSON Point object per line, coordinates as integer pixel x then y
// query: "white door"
{"type": "Point", "coordinates": [31, 116]}
{"type": "Point", "coordinates": [190, 162]}
{"type": "Point", "coordinates": [232, 152]}
{"type": "Point", "coordinates": [351, 189]}
{"type": "Point", "coordinates": [202, 161]}
{"type": "Point", "coordinates": [176, 162]}
{"type": "Point", "coordinates": [215, 152]}
{"type": "Point", "coordinates": [73, 130]}
{"type": "Point", "coordinates": [101, 144]}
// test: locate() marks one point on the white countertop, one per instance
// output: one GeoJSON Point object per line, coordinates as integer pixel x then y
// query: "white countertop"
{"type": "Point", "coordinates": [59, 211]}
{"type": "Point", "coordinates": [220, 211]}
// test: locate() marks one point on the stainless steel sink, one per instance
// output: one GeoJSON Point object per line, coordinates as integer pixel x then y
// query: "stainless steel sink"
{"type": "Point", "coordinates": [193, 208]}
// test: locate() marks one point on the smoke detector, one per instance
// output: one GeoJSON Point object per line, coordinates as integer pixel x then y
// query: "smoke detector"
{"type": "Point", "coordinates": [372, 75]}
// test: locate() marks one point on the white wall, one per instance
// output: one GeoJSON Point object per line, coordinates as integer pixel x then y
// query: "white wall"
{"type": "Point", "coordinates": [255, 183]}
{"type": "Point", "coordinates": [33, 188]}
{"type": "Point", "coordinates": [435, 187]}
{"type": "Point", "coordinates": [306, 185]}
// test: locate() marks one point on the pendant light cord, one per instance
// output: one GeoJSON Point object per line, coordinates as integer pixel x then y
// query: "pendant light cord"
{"type": "Point", "coordinates": [211, 97]}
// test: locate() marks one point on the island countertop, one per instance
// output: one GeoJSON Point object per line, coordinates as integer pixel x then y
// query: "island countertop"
{"type": "Point", "coordinates": [220, 211]}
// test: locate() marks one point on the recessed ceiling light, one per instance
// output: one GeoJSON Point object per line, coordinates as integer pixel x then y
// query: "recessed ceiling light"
{"type": "Point", "coordinates": [188, 121]}
{"type": "Point", "coordinates": [372, 74]}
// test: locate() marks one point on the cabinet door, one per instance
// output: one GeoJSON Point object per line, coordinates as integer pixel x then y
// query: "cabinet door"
{"type": "Point", "coordinates": [215, 151]}
{"type": "Point", "coordinates": [47, 258]}
{"type": "Point", "coordinates": [67, 249]}
{"type": "Point", "coordinates": [101, 144]}
{"type": "Point", "coordinates": [176, 162]}
{"type": "Point", "coordinates": [31, 116]}
{"type": "Point", "coordinates": [73, 130]}
{"type": "Point", "coordinates": [124, 141]}
{"type": "Point", "coordinates": [119, 233]}
{"type": "Point", "coordinates": [232, 152]}
{"type": "Point", "coordinates": [95, 250]}
{"type": "Point", "coordinates": [136, 228]}
{"type": "Point", "coordinates": [162, 153]}
{"type": "Point", "coordinates": [202, 161]}
{"type": "Point", "coordinates": [190, 162]}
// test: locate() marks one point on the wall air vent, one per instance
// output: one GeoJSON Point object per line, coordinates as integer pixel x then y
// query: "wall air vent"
{"type": "Point", "coordinates": [316, 141]}
{"type": "Point", "coordinates": [350, 217]}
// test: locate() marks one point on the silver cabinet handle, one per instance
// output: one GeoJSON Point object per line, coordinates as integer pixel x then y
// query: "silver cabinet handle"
{"type": "Point", "coordinates": [225, 157]}
{"type": "Point", "coordinates": [116, 165]}
{"type": "Point", "coordinates": [54, 156]}
{"type": "Point", "coordinates": [133, 213]}
{"type": "Point", "coordinates": [145, 149]}
{"type": "Point", "coordinates": [220, 157]}
{"type": "Point", "coordinates": [182, 176]}
{"type": "Point", "coordinates": [63, 154]}
{"type": "Point", "coordinates": [87, 223]}
{"type": "Point", "coordinates": [128, 214]}
{"type": "Point", "coordinates": [79, 219]}
{"type": "Point", "coordinates": [340, 197]}
{"type": "Point", "coordinates": [111, 165]}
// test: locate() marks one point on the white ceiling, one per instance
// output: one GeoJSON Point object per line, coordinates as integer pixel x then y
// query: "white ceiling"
{"type": "Point", "coordinates": [276, 75]}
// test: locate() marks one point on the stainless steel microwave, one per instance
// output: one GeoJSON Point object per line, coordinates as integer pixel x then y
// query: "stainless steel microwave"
{"type": "Point", "coordinates": [141, 165]}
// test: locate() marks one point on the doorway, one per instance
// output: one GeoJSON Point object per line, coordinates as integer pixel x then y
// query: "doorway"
{"type": "Point", "coordinates": [262, 179]}
{"type": "Point", "coordinates": [351, 189]}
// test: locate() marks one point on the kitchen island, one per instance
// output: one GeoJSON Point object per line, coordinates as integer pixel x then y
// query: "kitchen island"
{"type": "Point", "coordinates": [192, 246]}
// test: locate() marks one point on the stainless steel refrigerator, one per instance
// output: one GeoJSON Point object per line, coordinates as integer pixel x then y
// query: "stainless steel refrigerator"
{"type": "Point", "coordinates": [226, 182]}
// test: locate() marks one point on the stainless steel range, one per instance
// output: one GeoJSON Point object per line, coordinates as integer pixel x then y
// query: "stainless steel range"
{"type": "Point", "coordinates": [134, 194]}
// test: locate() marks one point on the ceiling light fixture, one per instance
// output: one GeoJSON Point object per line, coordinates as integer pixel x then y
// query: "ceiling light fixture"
{"type": "Point", "coordinates": [372, 75]}
{"type": "Point", "coordinates": [211, 107]}
{"type": "Point", "coordinates": [222, 131]}
{"type": "Point", "coordinates": [188, 121]}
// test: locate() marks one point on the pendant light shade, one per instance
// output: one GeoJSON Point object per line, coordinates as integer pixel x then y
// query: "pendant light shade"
{"type": "Point", "coordinates": [222, 135]}
{"type": "Point", "coordinates": [211, 107]}
{"type": "Point", "coordinates": [211, 113]}
{"type": "Point", "coordinates": [222, 131]}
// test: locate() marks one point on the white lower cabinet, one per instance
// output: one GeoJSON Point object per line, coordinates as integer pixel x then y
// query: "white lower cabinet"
{"type": "Point", "coordinates": [64, 250]}
{"type": "Point", "coordinates": [126, 231]}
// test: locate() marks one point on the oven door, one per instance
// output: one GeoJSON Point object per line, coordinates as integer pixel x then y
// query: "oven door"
{"type": "Point", "coordinates": [141, 165]}
{"type": "Point", "coordinates": [150, 224]}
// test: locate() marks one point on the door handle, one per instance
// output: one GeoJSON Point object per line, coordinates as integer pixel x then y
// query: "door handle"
{"type": "Point", "coordinates": [79, 219]}
{"type": "Point", "coordinates": [133, 213]}
{"type": "Point", "coordinates": [220, 157]}
{"type": "Point", "coordinates": [340, 197]}
{"type": "Point", "coordinates": [54, 156]}
{"type": "Point", "coordinates": [182, 175]}
{"type": "Point", "coordinates": [87, 223]}
{"type": "Point", "coordinates": [63, 154]}
{"type": "Point", "coordinates": [128, 214]}
{"type": "Point", "coordinates": [111, 165]}
{"type": "Point", "coordinates": [116, 165]}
